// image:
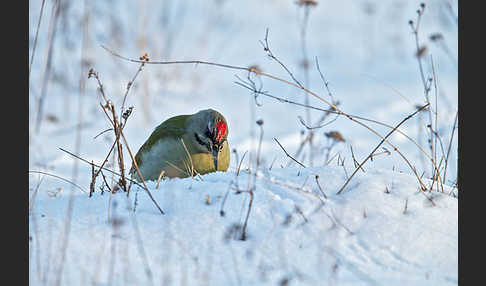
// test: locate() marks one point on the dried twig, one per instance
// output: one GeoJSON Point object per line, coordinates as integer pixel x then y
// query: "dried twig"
{"type": "Point", "coordinates": [376, 148]}
{"type": "Point", "coordinates": [118, 129]}
{"type": "Point", "coordinates": [129, 85]}
{"type": "Point", "coordinates": [352, 118]}
{"type": "Point", "coordinates": [139, 174]}
{"type": "Point", "coordinates": [288, 155]}
{"type": "Point", "coordinates": [251, 189]}
{"type": "Point", "coordinates": [98, 166]}
{"type": "Point", "coordinates": [426, 83]}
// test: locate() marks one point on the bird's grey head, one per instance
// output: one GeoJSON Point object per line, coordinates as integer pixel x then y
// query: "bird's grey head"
{"type": "Point", "coordinates": [209, 131]}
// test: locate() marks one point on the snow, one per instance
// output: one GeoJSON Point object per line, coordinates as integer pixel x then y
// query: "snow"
{"type": "Point", "coordinates": [366, 231]}
{"type": "Point", "coordinates": [381, 230]}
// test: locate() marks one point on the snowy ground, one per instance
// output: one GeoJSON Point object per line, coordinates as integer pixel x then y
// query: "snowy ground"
{"type": "Point", "coordinates": [365, 236]}
{"type": "Point", "coordinates": [380, 231]}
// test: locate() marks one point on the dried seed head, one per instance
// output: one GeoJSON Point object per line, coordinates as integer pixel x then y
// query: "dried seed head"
{"type": "Point", "coordinates": [335, 135]}
{"type": "Point", "coordinates": [127, 113]}
{"type": "Point", "coordinates": [91, 72]}
{"type": "Point", "coordinates": [259, 122]}
{"type": "Point", "coordinates": [254, 68]}
{"type": "Point", "coordinates": [52, 118]}
{"type": "Point", "coordinates": [436, 37]}
{"type": "Point", "coordinates": [115, 188]}
{"type": "Point", "coordinates": [207, 200]}
{"type": "Point", "coordinates": [306, 3]}
{"type": "Point", "coordinates": [145, 57]}
{"type": "Point", "coordinates": [421, 51]}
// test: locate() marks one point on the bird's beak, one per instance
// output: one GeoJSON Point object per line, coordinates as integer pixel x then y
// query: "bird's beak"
{"type": "Point", "coordinates": [215, 158]}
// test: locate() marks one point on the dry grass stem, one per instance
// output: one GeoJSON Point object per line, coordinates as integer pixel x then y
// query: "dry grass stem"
{"type": "Point", "coordinates": [449, 148]}
{"type": "Point", "coordinates": [60, 178]}
{"type": "Point", "coordinates": [320, 189]}
{"type": "Point", "coordinates": [161, 175]}
{"type": "Point", "coordinates": [34, 45]}
{"type": "Point", "coordinates": [251, 189]}
{"type": "Point", "coordinates": [47, 70]}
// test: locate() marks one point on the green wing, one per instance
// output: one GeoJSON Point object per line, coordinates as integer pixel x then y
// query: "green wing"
{"type": "Point", "coordinates": [173, 127]}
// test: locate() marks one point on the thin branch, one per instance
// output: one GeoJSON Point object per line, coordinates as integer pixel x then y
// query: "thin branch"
{"type": "Point", "coordinates": [241, 161]}
{"type": "Point", "coordinates": [102, 132]}
{"type": "Point", "coordinates": [251, 189]}
{"type": "Point", "coordinates": [60, 178]}
{"type": "Point", "coordinates": [449, 148]}
{"type": "Point", "coordinates": [326, 83]}
{"type": "Point", "coordinates": [139, 174]}
{"type": "Point", "coordinates": [174, 62]}
{"type": "Point", "coordinates": [129, 85]}
{"type": "Point", "coordinates": [354, 159]}
{"type": "Point", "coordinates": [266, 48]}
{"type": "Point", "coordinates": [98, 166]}
{"type": "Point", "coordinates": [288, 155]}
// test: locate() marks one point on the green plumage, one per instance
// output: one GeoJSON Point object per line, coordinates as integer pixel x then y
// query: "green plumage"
{"type": "Point", "coordinates": [172, 148]}
{"type": "Point", "coordinates": [172, 127]}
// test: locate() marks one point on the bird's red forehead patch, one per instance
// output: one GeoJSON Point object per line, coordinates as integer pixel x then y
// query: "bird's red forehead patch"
{"type": "Point", "coordinates": [221, 130]}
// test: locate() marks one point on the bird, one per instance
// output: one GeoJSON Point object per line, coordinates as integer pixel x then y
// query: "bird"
{"type": "Point", "coordinates": [184, 146]}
